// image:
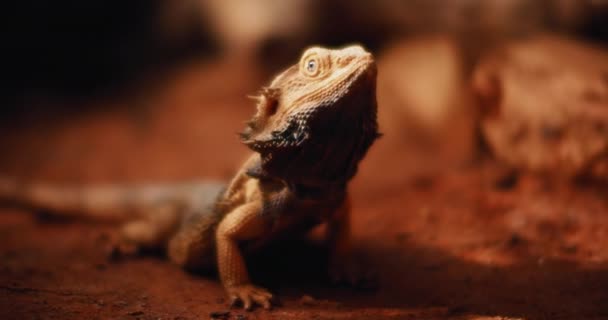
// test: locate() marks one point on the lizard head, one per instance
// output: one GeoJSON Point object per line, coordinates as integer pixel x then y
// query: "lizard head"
{"type": "Point", "coordinates": [317, 118]}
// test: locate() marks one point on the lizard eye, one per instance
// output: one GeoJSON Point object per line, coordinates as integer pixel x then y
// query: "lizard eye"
{"type": "Point", "coordinates": [311, 65]}
{"type": "Point", "coordinates": [314, 63]}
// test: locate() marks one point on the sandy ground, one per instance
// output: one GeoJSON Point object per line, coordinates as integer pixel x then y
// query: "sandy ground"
{"type": "Point", "coordinates": [454, 246]}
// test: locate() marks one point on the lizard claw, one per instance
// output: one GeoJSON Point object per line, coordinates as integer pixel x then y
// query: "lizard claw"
{"type": "Point", "coordinates": [249, 295]}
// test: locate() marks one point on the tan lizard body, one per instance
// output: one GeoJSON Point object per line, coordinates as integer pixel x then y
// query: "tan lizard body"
{"type": "Point", "coordinates": [313, 125]}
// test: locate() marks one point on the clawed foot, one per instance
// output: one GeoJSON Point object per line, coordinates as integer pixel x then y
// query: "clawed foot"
{"type": "Point", "coordinates": [354, 273]}
{"type": "Point", "coordinates": [249, 295]}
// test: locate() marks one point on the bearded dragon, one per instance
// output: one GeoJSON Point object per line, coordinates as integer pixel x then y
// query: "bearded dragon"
{"type": "Point", "coordinates": [314, 123]}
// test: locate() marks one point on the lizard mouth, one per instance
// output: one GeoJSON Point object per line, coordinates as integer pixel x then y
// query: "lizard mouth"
{"type": "Point", "coordinates": [293, 134]}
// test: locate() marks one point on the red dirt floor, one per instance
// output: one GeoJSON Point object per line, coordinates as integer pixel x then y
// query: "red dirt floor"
{"type": "Point", "coordinates": [450, 246]}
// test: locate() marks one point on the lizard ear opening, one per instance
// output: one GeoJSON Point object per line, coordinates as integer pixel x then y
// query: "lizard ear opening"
{"type": "Point", "coordinates": [267, 105]}
{"type": "Point", "coordinates": [270, 106]}
{"type": "Point", "coordinates": [268, 102]}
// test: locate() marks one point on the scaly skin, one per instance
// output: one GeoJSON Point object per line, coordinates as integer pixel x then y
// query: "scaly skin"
{"type": "Point", "coordinates": [313, 125]}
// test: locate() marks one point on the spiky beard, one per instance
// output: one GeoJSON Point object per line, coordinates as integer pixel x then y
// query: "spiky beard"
{"type": "Point", "coordinates": [322, 144]}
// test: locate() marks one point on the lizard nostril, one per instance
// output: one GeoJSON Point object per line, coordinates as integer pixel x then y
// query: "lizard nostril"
{"type": "Point", "coordinates": [343, 61]}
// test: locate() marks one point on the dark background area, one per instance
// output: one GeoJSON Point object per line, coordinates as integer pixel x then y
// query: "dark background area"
{"type": "Point", "coordinates": [67, 49]}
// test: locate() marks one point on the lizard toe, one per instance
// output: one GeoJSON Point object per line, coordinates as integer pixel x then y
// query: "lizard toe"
{"type": "Point", "coordinates": [249, 296]}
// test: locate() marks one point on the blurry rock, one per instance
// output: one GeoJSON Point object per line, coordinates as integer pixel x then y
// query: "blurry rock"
{"type": "Point", "coordinates": [246, 27]}
{"type": "Point", "coordinates": [475, 22]}
{"type": "Point", "coordinates": [424, 101]}
{"type": "Point", "coordinates": [544, 106]}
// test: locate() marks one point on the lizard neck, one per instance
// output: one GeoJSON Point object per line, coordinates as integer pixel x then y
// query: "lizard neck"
{"type": "Point", "coordinates": [313, 188]}
{"type": "Point", "coordinates": [318, 191]}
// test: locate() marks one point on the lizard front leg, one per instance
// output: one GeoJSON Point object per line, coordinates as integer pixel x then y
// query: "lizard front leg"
{"type": "Point", "coordinates": [243, 223]}
{"type": "Point", "coordinates": [338, 238]}
{"type": "Point", "coordinates": [343, 267]}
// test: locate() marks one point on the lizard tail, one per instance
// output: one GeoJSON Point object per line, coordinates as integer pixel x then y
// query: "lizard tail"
{"type": "Point", "coordinates": [103, 202]}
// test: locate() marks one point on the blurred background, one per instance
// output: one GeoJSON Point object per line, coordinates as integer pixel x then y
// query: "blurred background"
{"type": "Point", "coordinates": [68, 66]}
{"type": "Point", "coordinates": [490, 178]}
